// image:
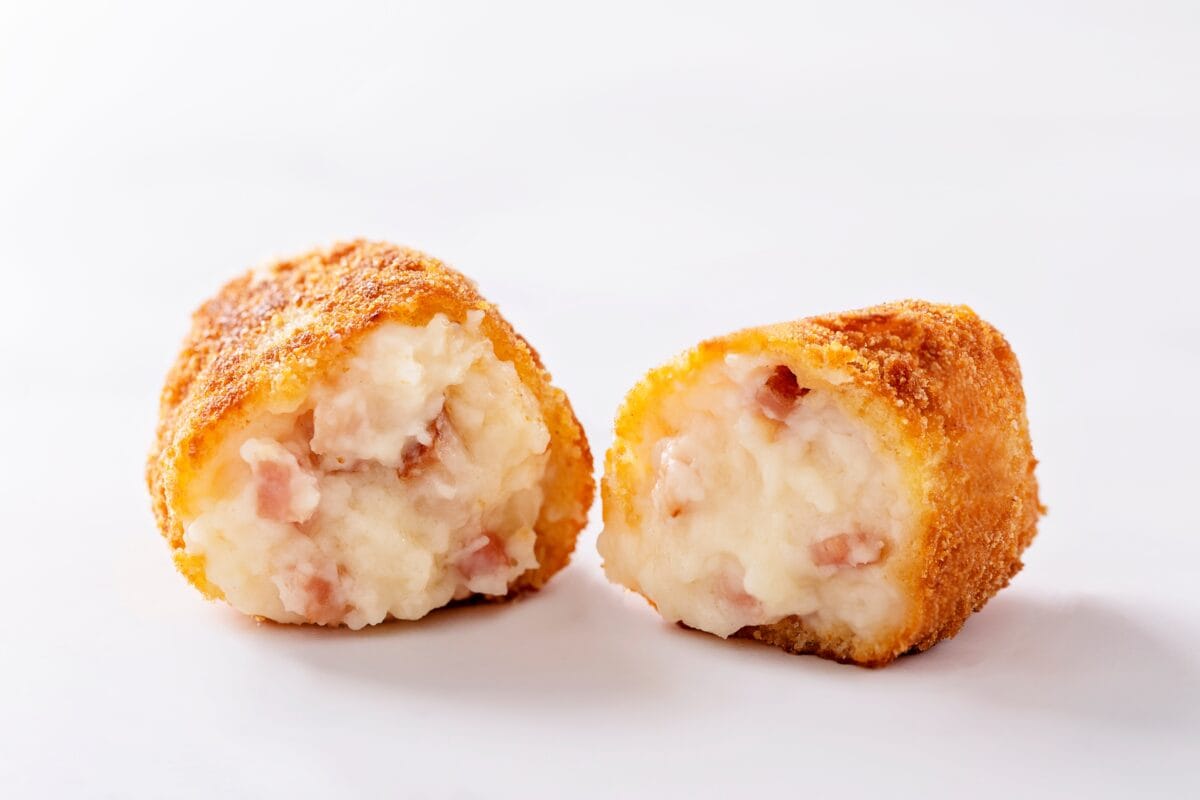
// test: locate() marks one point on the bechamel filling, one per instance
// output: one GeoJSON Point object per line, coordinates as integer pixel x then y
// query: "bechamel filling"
{"type": "Point", "coordinates": [766, 499]}
{"type": "Point", "coordinates": [410, 476]}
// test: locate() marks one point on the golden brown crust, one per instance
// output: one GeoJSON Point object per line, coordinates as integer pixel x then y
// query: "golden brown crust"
{"type": "Point", "coordinates": [944, 388]}
{"type": "Point", "coordinates": [269, 334]}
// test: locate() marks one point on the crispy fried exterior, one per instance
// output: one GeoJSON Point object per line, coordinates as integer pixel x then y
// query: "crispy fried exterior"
{"type": "Point", "coordinates": [942, 389]}
{"type": "Point", "coordinates": [270, 334]}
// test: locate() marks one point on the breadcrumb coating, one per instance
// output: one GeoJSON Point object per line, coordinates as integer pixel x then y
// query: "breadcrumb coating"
{"type": "Point", "coordinates": [270, 334]}
{"type": "Point", "coordinates": [942, 388]}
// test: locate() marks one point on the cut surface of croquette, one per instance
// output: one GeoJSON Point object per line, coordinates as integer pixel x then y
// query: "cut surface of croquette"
{"type": "Point", "coordinates": [852, 485]}
{"type": "Point", "coordinates": [356, 435]}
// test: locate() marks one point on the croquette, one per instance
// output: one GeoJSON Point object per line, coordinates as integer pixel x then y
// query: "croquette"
{"type": "Point", "coordinates": [355, 435]}
{"type": "Point", "coordinates": [852, 485]}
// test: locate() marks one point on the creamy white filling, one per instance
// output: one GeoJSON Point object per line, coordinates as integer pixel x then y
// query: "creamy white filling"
{"type": "Point", "coordinates": [762, 503]}
{"type": "Point", "coordinates": [409, 477]}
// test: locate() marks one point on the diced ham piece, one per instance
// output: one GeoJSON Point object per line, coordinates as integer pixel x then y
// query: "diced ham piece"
{"type": "Point", "coordinates": [324, 606]}
{"type": "Point", "coordinates": [273, 482]}
{"type": "Point", "coordinates": [779, 394]}
{"type": "Point", "coordinates": [846, 550]}
{"type": "Point", "coordinates": [412, 458]}
{"type": "Point", "coordinates": [483, 557]}
{"type": "Point", "coordinates": [284, 492]}
{"type": "Point", "coordinates": [416, 455]}
{"type": "Point", "coordinates": [313, 591]}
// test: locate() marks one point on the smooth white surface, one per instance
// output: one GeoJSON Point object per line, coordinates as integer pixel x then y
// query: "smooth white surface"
{"type": "Point", "coordinates": [622, 180]}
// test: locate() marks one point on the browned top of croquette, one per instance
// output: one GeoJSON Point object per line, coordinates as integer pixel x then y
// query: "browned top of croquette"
{"type": "Point", "coordinates": [269, 334]}
{"type": "Point", "coordinates": [943, 389]}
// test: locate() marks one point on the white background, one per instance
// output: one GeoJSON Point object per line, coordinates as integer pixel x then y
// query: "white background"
{"type": "Point", "coordinates": [623, 181]}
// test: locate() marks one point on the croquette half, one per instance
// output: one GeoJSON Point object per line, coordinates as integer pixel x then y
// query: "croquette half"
{"type": "Point", "coordinates": [852, 485]}
{"type": "Point", "coordinates": [355, 435]}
